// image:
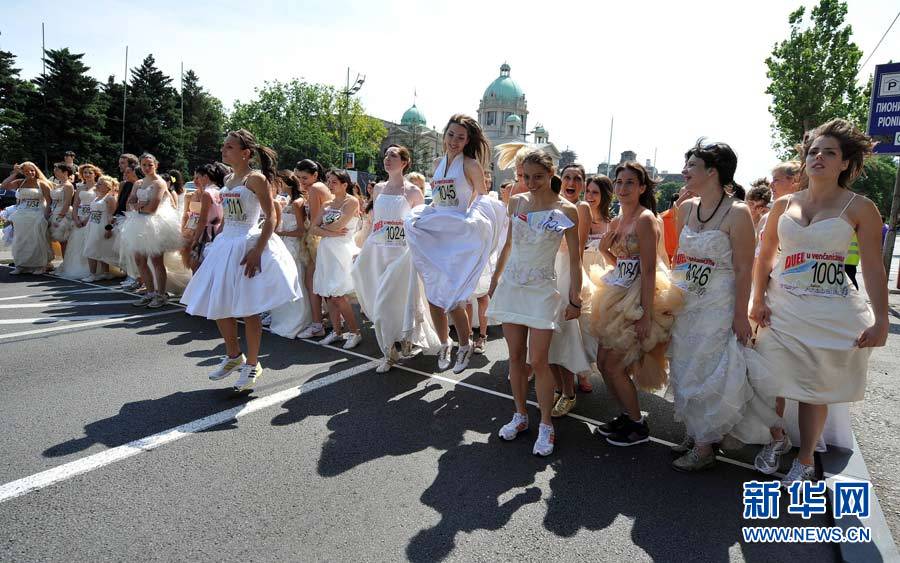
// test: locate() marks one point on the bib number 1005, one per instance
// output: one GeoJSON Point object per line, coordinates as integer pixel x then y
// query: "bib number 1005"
{"type": "Point", "coordinates": [828, 273]}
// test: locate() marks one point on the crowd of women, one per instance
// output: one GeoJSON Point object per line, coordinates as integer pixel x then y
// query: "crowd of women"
{"type": "Point", "coordinates": [743, 311]}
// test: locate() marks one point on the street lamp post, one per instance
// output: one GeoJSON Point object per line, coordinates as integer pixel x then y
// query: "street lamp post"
{"type": "Point", "coordinates": [348, 91]}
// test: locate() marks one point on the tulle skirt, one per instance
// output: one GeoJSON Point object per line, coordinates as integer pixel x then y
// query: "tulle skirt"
{"type": "Point", "coordinates": [151, 234]}
{"type": "Point", "coordinates": [31, 242]}
{"type": "Point", "coordinates": [220, 289]}
{"type": "Point", "coordinates": [615, 309]}
{"type": "Point", "coordinates": [60, 227]}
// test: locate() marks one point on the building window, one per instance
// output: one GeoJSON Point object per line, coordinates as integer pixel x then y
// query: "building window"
{"type": "Point", "coordinates": [490, 118]}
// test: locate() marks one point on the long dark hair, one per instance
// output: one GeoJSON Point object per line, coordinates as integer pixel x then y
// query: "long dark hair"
{"type": "Point", "coordinates": [215, 171]}
{"type": "Point", "coordinates": [721, 157]}
{"type": "Point", "coordinates": [288, 179]}
{"type": "Point", "coordinates": [606, 193]}
{"type": "Point", "coordinates": [177, 179]}
{"type": "Point", "coordinates": [647, 199]}
{"type": "Point", "coordinates": [311, 167]}
{"type": "Point", "coordinates": [477, 145]}
{"type": "Point", "coordinates": [267, 158]}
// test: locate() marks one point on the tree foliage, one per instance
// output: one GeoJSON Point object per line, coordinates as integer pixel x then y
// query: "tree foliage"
{"type": "Point", "coordinates": [664, 194]}
{"type": "Point", "coordinates": [877, 182]}
{"type": "Point", "coordinates": [204, 123]}
{"type": "Point", "coordinates": [14, 94]}
{"type": "Point", "coordinates": [813, 75]}
{"type": "Point", "coordinates": [302, 120]}
{"type": "Point", "coordinates": [153, 117]}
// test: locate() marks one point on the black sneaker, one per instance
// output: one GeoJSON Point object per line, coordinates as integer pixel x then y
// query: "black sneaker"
{"type": "Point", "coordinates": [633, 433]}
{"type": "Point", "coordinates": [613, 426]}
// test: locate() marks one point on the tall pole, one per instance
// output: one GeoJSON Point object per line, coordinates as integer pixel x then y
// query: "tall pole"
{"type": "Point", "coordinates": [181, 144]}
{"type": "Point", "coordinates": [124, 97]}
{"type": "Point", "coordinates": [609, 151]}
{"type": "Point", "coordinates": [891, 235]}
{"type": "Point", "coordinates": [44, 76]}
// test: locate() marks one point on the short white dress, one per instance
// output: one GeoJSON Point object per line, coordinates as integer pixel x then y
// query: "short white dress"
{"type": "Point", "coordinates": [220, 289]}
{"type": "Point", "coordinates": [60, 227]}
{"type": "Point", "coordinates": [75, 265]}
{"type": "Point", "coordinates": [31, 241]}
{"type": "Point", "coordinates": [527, 293]}
{"type": "Point", "coordinates": [151, 234]}
{"type": "Point", "coordinates": [450, 240]}
{"type": "Point", "coordinates": [386, 284]}
{"type": "Point", "coordinates": [334, 258]}
{"type": "Point", "coordinates": [97, 246]}
{"type": "Point", "coordinates": [292, 317]}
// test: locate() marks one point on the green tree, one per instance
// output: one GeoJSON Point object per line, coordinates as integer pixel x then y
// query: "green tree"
{"type": "Point", "coordinates": [13, 96]}
{"type": "Point", "coordinates": [204, 123]}
{"type": "Point", "coordinates": [152, 118]}
{"type": "Point", "coordinates": [65, 112]}
{"type": "Point", "coordinates": [877, 182]}
{"type": "Point", "coordinates": [664, 194]}
{"type": "Point", "coordinates": [813, 74]}
{"type": "Point", "coordinates": [112, 93]}
{"type": "Point", "coordinates": [303, 120]}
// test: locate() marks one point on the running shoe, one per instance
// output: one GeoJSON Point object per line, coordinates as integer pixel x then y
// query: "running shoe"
{"type": "Point", "coordinates": [331, 338]}
{"type": "Point", "coordinates": [17, 271]}
{"type": "Point", "coordinates": [226, 366]}
{"type": "Point", "coordinates": [144, 301]}
{"type": "Point", "coordinates": [158, 301]}
{"type": "Point", "coordinates": [613, 426]}
{"type": "Point", "coordinates": [265, 319]}
{"type": "Point", "coordinates": [248, 375]}
{"type": "Point", "coordinates": [684, 447]}
{"type": "Point", "coordinates": [543, 446]}
{"type": "Point", "coordinates": [353, 341]}
{"type": "Point", "coordinates": [133, 286]}
{"type": "Point", "coordinates": [694, 461]}
{"type": "Point", "coordinates": [463, 355]}
{"type": "Point", "coordinates": [514, 427]}
{"type": "Point", "coordinates": [409, 350]}
{"type": "Point", "coordinates": [90, 278]}
{"type": "Point", "coordinates": [632, 434]}
{"type": "Point", "coordinates": [390, 358]}
{"type": "Point", "coordinates": [563, 406]}
{"type": "Point", "coordinates": [127, 281]}
{"type": "Point", "coordinates": [313, 330]}
{"type": "Point", "coordinates": [479, 345]}
{"type": "Point", "coordinates": [799, 472]}
{"type": "Point", "coordinates": [444, 356]}
{"type": "Point", "coordinates": [769, 457]}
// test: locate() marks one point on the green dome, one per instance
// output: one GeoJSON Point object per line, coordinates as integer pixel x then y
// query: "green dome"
{"type": "Point", "coordinates": [514, 120]}
{"type": "Point", "coordinates": [503, 87]}
{"type": "Point", "coordinates": [413, 116]}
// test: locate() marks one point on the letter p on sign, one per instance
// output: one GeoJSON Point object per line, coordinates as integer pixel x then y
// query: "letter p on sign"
{"type": "Point", "coordinates": [890, 85]}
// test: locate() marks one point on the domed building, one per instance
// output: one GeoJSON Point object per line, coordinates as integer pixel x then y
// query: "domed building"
{"type": "Point", "coordinates": [503, 115]}
{"type": "Point", "coordinates": [413, 132]}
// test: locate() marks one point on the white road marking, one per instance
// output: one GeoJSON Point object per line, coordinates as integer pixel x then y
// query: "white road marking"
{"type": "Point", "coordinates": [68, 470]}
{"type": "Point", "coordinates": [64, 304]}
{"type": "Point", "coordinates": [49, 320]}
{"type": "Point", "coordinates": [87, 324]}
{"type": "Point", "coordinates": [53, 293]}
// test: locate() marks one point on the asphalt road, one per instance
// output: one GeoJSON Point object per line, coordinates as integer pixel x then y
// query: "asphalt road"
{"type": "Point", "coordinates": [328, 460]}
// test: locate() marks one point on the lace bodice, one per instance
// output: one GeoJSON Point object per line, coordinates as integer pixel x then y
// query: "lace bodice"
{"type": "Point", "coordinates": [29, 199]}
{"type": "Point", "coordinates": [536, 239]}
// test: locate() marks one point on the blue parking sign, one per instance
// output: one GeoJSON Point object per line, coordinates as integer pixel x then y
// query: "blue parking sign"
{"type": "Point", "coordinates": [884, 111]}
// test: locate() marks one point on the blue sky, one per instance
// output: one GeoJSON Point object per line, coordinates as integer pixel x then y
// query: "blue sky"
{"type": "Point", "coordinates": [670, 72]}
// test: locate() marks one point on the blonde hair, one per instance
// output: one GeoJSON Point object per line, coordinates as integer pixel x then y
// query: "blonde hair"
{"type": "Point", "coordinates": [39, 172]}
{"type": "Point", "coordinates": [417, 179]}
{"type": "Point", "coordinates": [789, 168]}
{"type": "Point", "coordinates": [97, 171]}
{"type": "Point", "coordinates": [512, 154]}
{"type": "Point", "coordinates": [109, 181]}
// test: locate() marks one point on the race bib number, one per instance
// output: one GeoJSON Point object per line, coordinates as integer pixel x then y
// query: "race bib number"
{"type": "Point", "coordinates": [31, 203]}
{"type": "Point", "coordinates": [95, 216]}
{"type": "Point", "coordinates": [331, 216]}
{"type": "Point", "coordinates": [443, 192]}
{"type": "Point", "coordinates": [233, 208]}
{"type": "Point", "coordinates": [550, 221]}
{"type": "Point", "coordinates": [626, 271]}
{"type": "Point", "coordinates": [389, 233]}
{"type": "Point", "coordinates": [84, 210]}
{"type": "Point", "coordinates": [193, 221]}
{"type": "Point", "coordinates": [53, 205]}
{"type": "Point", "coordinates": [815, 273]}
{"type": "Point", "coordinates": [693, 274]}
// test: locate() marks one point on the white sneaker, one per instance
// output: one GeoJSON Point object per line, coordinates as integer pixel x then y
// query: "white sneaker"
{"type": "Point", "coordinates": [248, 377]}
{"type": "Point", "coordinates": [463, 355]}
{"type": "Point", "coordinates": [799, 472]}
{"type": "Point", "coordinates": [353, 341]}
{"type": "Point", "coordinates": [90, 278]}
{"type": "Point", "coordinates": [390, 358]}
{"type": "Point", "coordinates": [128, 281]}
{"type": "Point", "coordinates": [331, 338]}
{"type": "Point", "coordinates": [511, 429]}
{"type": "Point", "coordinates": [444, 356]}
{"type": "Point", "coordinates": [17, 271]}
{"type": "Point", "coordinates": [409, 350]}
{"type": "Point", "coordinates": [313, 330]}
{"type": "Point", "coordinates": [226, 366]}
{"type": "Point", "coordinates": [265, 319]}
{"type": "Point", "coordinates": [543, 446]}
{"type": "Point", "coordinates": [769, 457]}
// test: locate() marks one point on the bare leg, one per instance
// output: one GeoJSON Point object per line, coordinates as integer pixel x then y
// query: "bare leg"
{"type": "Point", "coordinates": [439, 317]}
{"type": "Point", "coordinates": [483, 302]}
{"type": "Point", "coordinates": [253, 335]}
{"type": "Point", "coordinates": [621, 385]}
{"type": "Point", "coordinates": [538, 352]}
{"type": "Point", "coordinates": [146, 275]}
{"type": "Point", "coordinates": [159, 270]}
{"type": "Point", "coordinates": [228, 330]}
{"type": "Point", "coordinates": [812, 422]}
{"type": "Point", "coordinates": [461, 322]}
{"type": "Point", "coordinates": [517, 340]}
{"type": "Point", "coordinates": [315, 301]}
{"type": "Point", "coordinates": [777, 431]}
{"type": "Point", "coordinates": [342, 304]}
